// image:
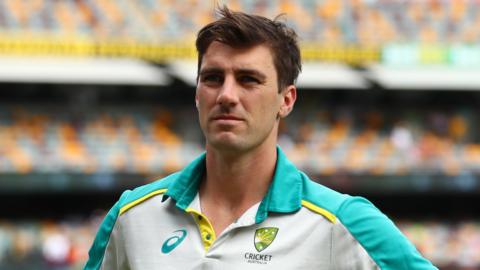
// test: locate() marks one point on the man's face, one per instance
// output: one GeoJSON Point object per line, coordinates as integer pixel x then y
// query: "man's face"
{"type": "Point", "coordinates": [237, 97]}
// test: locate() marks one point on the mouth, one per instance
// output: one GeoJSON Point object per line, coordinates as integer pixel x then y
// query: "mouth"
{"type": "Point", "coordinates": [226, 118]}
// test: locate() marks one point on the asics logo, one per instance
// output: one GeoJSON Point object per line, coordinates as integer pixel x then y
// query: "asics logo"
{"type": "Point", "coordinates": [172, 242]}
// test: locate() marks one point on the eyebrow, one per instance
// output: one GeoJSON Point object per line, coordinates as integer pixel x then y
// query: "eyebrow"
{"type": "Point", "coordinates": [211, 70]}
{"type": "Point", "coordinates": [244, 71]}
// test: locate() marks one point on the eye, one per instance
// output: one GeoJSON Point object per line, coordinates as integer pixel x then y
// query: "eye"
{"type": "Point", "coordinates": [211, 79]}
{"type": "Point", "coordinates": [247, 79]}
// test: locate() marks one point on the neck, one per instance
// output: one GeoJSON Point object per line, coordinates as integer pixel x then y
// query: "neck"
{"type": "Point", "coordinates": [233, 184]}
{"type": "Point", "coordinates": [235, 181]}
{"type": "Point", "coordinates": [239, 181]}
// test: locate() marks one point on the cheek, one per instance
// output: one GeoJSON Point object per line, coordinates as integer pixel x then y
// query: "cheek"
{"type": "Point", "coordinates": [202, 111]}
{"type": "Point", "coordinates": [200, 104]}
{"type": "Point", "coordinates": [267, 109]}
{"type": "Point", "coordinates": [202, 100]}
{"type": "Point", "coordinates": [205, 102]}
{"type": "Point", "coordinates": [206, 96]}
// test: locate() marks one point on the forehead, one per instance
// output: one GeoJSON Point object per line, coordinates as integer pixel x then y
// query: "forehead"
{"type": "Point", "coordinates": [220, 55]}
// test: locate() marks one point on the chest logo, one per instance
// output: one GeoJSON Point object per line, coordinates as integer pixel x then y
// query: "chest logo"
{"type": "Point", "coordinates": [264, 237]}
{"type": "Point", "coordinates": [172, 242]}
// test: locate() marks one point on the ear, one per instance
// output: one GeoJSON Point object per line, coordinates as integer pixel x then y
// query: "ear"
{"type": "Point", "coordinates": [289, 96]}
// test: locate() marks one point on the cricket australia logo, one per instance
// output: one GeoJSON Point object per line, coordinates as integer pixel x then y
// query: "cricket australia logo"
{"type": "Point", "coordinates": [264, 237]}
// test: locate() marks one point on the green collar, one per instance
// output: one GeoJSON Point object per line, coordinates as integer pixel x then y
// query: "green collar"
{"type": "Point", "coordinates": [283, 196]}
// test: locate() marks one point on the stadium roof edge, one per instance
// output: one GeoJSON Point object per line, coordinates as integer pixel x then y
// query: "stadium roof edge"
{"type": "Point", "coordinates": [425, 77]}
{"type": "Point", "coordinates": [81, 71]}
{"type": "Point", "coordinates": [315, 75]}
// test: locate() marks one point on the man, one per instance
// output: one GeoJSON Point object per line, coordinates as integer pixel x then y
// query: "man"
{"type": "Point", "coordinates": [242, 204]}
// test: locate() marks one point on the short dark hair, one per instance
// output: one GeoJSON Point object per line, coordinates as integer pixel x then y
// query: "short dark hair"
{"type": "Point", "coordinates": [241, 30]}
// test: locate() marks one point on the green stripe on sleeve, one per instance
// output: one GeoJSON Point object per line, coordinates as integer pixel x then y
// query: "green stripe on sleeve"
{"type": "Point", "coordinates": [385, 244]}
{"type": "Point", "coordinates": [97, 251]}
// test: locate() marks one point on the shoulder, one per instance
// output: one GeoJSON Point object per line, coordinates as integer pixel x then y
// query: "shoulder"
{"type": "Point", "coordinates": [128, 200]}
{"type": "Point", "coordinates": [373, 230]}
{"type": "Point", "coordinates": [131, 198]}
{"type": "Point", "coordinates": [349, 210]}
{"type": "Point", "coordinates": [321, 199]}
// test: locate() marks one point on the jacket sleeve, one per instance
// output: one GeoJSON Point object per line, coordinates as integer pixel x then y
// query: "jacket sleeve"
{"type": "Point", "coordinates": [107, 251]}
{"type": "Point", "coordinates": [379, 237]}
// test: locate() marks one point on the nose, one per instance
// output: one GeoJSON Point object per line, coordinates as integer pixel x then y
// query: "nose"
{"type": "Point", "coordinates": [228, 95]}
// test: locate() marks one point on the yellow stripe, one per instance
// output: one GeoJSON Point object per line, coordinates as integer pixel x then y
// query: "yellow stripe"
{"type": "Point", "coordinates": [331, 217]}
{"type": "Point", "coordinates": [142, 199]}
{"type": "Point", "coordinates": [205, 227]}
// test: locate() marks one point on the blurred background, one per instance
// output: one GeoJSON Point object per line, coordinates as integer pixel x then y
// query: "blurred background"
{"type": "Point", "coordinates": [97, 96]}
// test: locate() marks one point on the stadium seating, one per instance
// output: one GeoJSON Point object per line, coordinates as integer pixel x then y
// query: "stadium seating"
{"type": "Point", "coordinates": [128, 139]}
{"type": "Point", "coordinates": [367, 23]}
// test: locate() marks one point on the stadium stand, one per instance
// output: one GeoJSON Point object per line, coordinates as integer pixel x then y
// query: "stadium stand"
{"type": "Point", "coordinates": [110, 140]}
{"type": "Point", "coordinates": [129, 139]}
{"type": "Point", "coordinates": [373, 22]}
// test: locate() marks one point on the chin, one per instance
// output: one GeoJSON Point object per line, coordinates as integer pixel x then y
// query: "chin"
{"type": "Point", "coordinates": [226, 143]}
